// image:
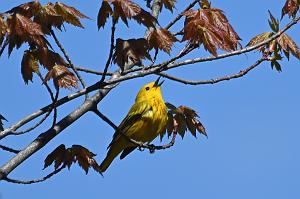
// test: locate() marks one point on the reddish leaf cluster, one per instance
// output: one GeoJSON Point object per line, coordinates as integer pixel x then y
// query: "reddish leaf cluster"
{"type": "Point", "coordinates": [76, 154]}
{"type": "Point", "coordinates": [291, 8]}
{"type": "Point", "coordinates": [182, 119]}
{"type": "Point", "coordinates": [62, 77]}
{"type": "Point", "coordinates": [124, 9]}
{"type": "Point", "coordinates": [169, 4]}
{"type": "Point", "coordinates": [210, 27]}
{"type": "Point", "coordinates": [53, 62]}
{"type": "Point", "coordinates": [160, 38]}
{"type": "Point", "coordinates": [284, 43]}
{"type": "Point", "coordinates": [130, 50]}
{"type": "Point", "coordinates": [30, 23]}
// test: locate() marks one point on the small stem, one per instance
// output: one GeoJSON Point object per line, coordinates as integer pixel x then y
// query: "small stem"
{"type": "Point", "coordinates": [35, 180]}
{"type": "Point", "coordinates": [5, 148]}
{"type": "Point", "coordinates": [68, 59]}
{"type": "Point", "coordinates": [111, 50]}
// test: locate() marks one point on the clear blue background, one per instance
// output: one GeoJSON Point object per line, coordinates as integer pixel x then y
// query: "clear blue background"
{"type": "Point", "coordinates": [253, 123]}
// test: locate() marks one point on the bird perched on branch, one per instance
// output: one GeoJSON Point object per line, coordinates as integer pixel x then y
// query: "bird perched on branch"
{"type": "Point", "coordinates": [146, 119]}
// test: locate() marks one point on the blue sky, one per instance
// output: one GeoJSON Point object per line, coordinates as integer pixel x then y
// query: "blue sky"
{"type": "Point", "coordinates": [252, 123]}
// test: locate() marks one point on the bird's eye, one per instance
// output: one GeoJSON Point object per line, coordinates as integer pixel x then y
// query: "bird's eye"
{"type": "Point", "coordinates": [147, 88]}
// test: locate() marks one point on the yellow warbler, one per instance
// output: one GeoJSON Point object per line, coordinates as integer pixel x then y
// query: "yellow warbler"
{"type": "Point", "coordinates": [145, 120]}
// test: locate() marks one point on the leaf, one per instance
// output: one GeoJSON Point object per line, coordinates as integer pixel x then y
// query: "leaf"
{"type": "Point", "coordinates": [22, 29]}
{"type": "Point", "coordinates": [181, 124]}
{"type": "Point", "coordinates": [48, 58]}
{"type": "Point", "coordinates": [55, 156]}
{"type": "Point", "coordinates": [124, 9]}
{"type": "Point", "coordinates": [69, 14]}
{"type": "Point", "coordinates": [103, 14]}
{"type": "Point", "coordinates": [3, 29]}
{"type": "Point", "coordinates": [145, 18]}
{"type": "Point", "coordinates": [291, 8]}
{"type": "Point", "coordinates": [182, 119]}
{"type": "Point", "coordinates": [161, 38]}
{"type": "Point", "coordinates": [273, 23]}
{"type": "Point", "coordinates": [288, 45]}
{"type": "Point", "coordinates": [62, 77]}
{"type": "Point", "coordinates": [169, 4]}
{"type": "Point", "coordinates": [85, 158]}
{"type": "Point", "coordinates": [29, 65]}
{"type": "Point", "coordinates": [170, 106]}
{"type": "Point", "coordinates": [28, 10]}
{"type": "Point", "coordinates": [200, 128]}
{"type": "Point", "coordinates": [277, 66]}
{"type": "Point", "coordinates": [66, 157]}
{"type": "Point", "coordinates": [191, 126]}
{"type": "Point", "coordinates": [260, 38]}
{"type": "Point", "coordinates": [48, 17]}
{"type": "Point", "coordinates": [210, 27]}
{"type": "Point", "coordinates": [130, 50]}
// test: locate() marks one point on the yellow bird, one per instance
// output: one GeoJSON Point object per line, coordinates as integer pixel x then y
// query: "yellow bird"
{"type": "Point", "coordinates": [146, 119]}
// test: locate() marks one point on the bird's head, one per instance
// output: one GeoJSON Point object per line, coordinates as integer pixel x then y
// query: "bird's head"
{"type": "Point", "coordinates": [150, 90]}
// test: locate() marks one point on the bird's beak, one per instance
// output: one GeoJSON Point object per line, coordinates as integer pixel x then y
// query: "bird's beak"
{"type": "Point", "coordinates": [157, 83]}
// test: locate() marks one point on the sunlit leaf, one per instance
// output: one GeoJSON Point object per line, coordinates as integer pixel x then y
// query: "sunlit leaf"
{"type": "Point", "coordinates": [161, 39]}
{"type": "Point", "coordinates": [66, 157]}
{"type": "Point", "coordinates": [62, 77]}
{"type": "Point", "coordinates": [133, 50]}
{"type": "Point", "coordinates": [210, 27]}
{"type": "Point", "coordinates": [288, 45]}
{"type": "Point", "coordinates": [104, 12]}
{"type": "Point", "coordinates": [291, 8]}
{"type": "Point", "coordinates": [29, 65]}
{"type": "Point", "coordinates": [169, 4]}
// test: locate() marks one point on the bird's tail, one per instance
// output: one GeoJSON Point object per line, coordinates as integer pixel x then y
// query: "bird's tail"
{"type": "Point", "coordinates": [112, 153]}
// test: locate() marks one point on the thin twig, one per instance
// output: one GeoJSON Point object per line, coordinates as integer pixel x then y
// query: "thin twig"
{"type": "Point", "coordinates": [215, 80]}
{"type": "Point", "coordinates": [68, 59]}
{"type": "Point", "coordinates": [35, 180]}
{"type": "Point", "coordinates": [139, 144]}
{"type": "Point", "coordinates": [86, 70]}
{"type": "Point", "coordinates": [180, 15]}
{"type": "Point", "coordinates": [111, 50]}
{"type": "Point", "coordinates": [55, 108]}
{"type": "Point", "coordinates": [33, 127]}
{"type": "Point", "coordinates": [46, 85]}
{"type": "Point", "coordinates": [5, 148]}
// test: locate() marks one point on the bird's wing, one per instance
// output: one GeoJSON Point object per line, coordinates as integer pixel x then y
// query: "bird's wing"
{"type": "Point", "coordinates": [137, 111]}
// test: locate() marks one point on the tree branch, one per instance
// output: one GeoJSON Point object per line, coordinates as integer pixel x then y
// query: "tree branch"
{"type": "Point", "coordinates": [45, 137]}
{"type": "Point", "coordinates": [112, 46]}
{"type": "Point", "coordinates": [33, 127]}
{"type": "Point", "coordinates": [48, 135]}
{"type": "Point", "coordinates": [86, 70]}
{"type": "Point", "coordinates": [215, 80]}
{"type": "Point", "coordinates": [141, 72]}
{"type": "Point", "coordinates": [5, 148]}
{"type": "Point", "coordinates": [35, 180]}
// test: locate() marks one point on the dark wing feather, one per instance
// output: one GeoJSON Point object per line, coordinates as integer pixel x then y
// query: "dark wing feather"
{"type": "Point", "coordinates": [135, 113]}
